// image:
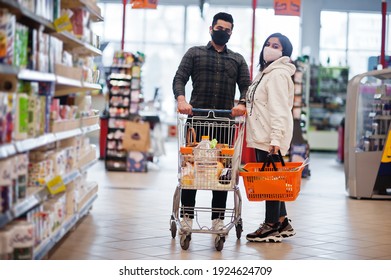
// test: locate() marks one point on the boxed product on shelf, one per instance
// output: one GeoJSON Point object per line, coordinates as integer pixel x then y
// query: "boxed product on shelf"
{"type": "Point", "coordinates": [46, 91]}
{"type": "Point", "coordinates": [56, 206]}
{"type": "Point", "coordinates": [88, 156]}
{"type": "Point", "coordinates": [7, 37]}
{"type": "Point", "coordinates": [6, 191]}
{"type": "Point", "coordinates": [22, 239]}
{"type": "Point", "coordinates": [43, 52]}
{"type": "Point", "coordinates": [68, 71]}
{"type": "Point", "coordinates": [70, 199]}
{"type": "Point", "coordinates": [21, 116]}
{"type": "Point", "coordinates": [32, 49]}
{"type": "Point", "coordinates": [40, 173]}
{"type": "Point", "coordinates": [6, 243]}
{"type": "Point", "coordinates": [79, 20]}
{"type": "Point", "coordinates": [3, 116]}
{"type": "Point", "coordinates": [89, 190]}
{"type": "Point", "coordinates": [64, 125]}
{"type": "Point", "coordinates": [20, 46]}
{"type": "Point", "coordinates": [63, 160]}
{"type": "Point", "coordinates": [22, 163]}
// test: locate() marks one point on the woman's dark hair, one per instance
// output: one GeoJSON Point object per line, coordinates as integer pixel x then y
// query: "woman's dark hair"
{"type": "Point", "coordinates": [286, 48]}
{"type": "Point", "coordinates": [223, 16]}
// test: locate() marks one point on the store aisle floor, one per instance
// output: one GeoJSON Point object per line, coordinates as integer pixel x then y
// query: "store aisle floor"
{"type": "Point", "coordinates": [130, 220]}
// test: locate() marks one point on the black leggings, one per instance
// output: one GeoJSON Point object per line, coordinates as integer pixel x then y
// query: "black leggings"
{"type": "Point", "coordinates": [274, 209]}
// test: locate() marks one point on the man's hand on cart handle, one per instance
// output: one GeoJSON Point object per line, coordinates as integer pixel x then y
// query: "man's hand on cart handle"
{"type": "Point", "coordinates": [238, 110]}
{"type": "Point", "coordinates": [184, 107]}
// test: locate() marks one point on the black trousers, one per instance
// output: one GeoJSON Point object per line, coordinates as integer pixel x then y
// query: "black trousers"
{"type": "Point", "coordinates": [274, 209]}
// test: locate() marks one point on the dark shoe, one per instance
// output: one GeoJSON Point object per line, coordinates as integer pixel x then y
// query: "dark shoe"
{"type": "Point", "coordinates": [286, 229]}
{"type": "Point", "coordinates": [265, 233]}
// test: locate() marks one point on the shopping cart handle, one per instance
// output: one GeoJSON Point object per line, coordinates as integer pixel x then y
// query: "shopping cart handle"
{"type": "Point", "coordinates": [221, 111]}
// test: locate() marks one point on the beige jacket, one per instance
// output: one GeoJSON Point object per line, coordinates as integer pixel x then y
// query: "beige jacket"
{"type": "Point", "coordinates": [269, 104]}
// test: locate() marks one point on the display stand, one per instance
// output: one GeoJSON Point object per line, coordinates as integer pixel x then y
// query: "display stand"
{"type": "Point", "coordinates": [367, 135]}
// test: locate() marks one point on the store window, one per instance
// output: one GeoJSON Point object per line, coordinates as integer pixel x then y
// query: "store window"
{"type": "Point", "coordinates": [349, 39]}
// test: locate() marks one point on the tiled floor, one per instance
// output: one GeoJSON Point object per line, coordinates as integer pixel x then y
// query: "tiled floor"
{"type": "Point", "coordinates": [130, 220]}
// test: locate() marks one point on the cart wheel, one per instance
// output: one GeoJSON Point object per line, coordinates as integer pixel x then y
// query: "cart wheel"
{"type": "Point", "coordinates": [173, 228]}
{"type": "Point", "coordinates": [239, 228]}
{"type": "Point", "coordinates": [185, 241]}
{"type": "Point", "coordinates": [219, 243]}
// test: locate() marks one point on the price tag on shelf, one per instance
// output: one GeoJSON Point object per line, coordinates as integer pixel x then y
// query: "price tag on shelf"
{"type": "Point", "coordinates": [56, 185]}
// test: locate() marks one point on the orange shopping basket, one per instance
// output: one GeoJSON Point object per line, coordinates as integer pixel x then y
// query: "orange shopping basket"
{"type": "Point", "coordinates": [280, 181]}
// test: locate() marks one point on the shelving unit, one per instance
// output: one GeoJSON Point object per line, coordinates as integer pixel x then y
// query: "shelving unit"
{"type": "Point", "coordinates": [301, 80]}
{"type": "Point", "coordinates": [124, 84]}
{"type": "Point", "coordinates": [368, 136]}
{"type": "Point", "coordinates": [57, 84]}
{"type": "Point", "coordinates": [327, 99]}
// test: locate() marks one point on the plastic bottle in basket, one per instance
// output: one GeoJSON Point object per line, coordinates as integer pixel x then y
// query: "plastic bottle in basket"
{"type": "Point", "coordinates": [202, 151]}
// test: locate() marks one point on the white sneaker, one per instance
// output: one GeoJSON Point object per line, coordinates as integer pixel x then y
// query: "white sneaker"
{"type": "Point", "coordinates": [217, 224]}
{"type": "Point", "coordinates": [186, 225]}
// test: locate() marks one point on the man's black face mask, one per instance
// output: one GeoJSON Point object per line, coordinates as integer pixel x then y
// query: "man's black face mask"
{"type": "Point", "coordinates": [220, 37]}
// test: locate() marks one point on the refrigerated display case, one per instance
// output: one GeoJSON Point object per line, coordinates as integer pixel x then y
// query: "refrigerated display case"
{"type": "Point", "coordinates": [367, 150]}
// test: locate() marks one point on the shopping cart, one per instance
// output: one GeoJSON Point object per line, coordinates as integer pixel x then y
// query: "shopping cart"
{"type": "Point", "coordinates": [208, 169]}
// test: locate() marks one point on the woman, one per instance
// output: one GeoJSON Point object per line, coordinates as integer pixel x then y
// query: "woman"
{"type": "Point", "coordinates": [269, 128]}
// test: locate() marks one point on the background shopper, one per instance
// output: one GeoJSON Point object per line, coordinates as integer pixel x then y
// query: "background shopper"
{"type": "Point", "coordinates": [270, 124]}
{"type": "Point", "coordinates": [215, 71]}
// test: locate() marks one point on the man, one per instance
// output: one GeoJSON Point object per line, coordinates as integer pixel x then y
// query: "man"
{"type": "Point", "coordinates": [215, 71]}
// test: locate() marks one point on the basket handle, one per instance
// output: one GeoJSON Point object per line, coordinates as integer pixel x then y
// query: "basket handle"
{"type": "Point", "coordinates": [269, 159]}
{"type": "Point", "coordinates": [191, 137]}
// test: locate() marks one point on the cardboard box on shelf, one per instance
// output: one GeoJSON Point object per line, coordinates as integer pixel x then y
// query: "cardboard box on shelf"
{"type": "Point", "coordinates": [68, 72]}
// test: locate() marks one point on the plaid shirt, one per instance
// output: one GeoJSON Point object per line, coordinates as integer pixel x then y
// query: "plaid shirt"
{"type": "Point", "coordinates": [214, 76]}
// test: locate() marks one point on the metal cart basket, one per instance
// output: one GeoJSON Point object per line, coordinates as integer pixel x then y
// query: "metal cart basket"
{"type": "Point", "coordinates": [215, 168]}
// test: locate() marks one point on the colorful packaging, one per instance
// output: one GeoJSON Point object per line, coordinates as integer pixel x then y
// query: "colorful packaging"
{"type": "Point", "coordinates": [6, 245]}
{"type": "Point", "coordinates": [7, 37]}
{"type": "Point", "coordinates": [23, 240]}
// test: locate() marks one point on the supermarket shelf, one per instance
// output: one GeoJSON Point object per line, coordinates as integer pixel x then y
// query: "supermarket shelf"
{"type": "Point", "coordinates": [21, 146]}
{"type": "Point", "coordinates": [30, 19]}
{"type": "Point", "coordinates": [8, 69]}
{"type": "Point", "coordinates": [65, 85]}
{"type": "Point", "coordinates": [32, 143]}
{"type": "Point", "coordinates": [91, 128]}
{"type": "Point", "coordinates": [71, 176]}
{"type": "Point", "coordinates": [93, 9]}
{"type": "Point", "coordinates": [76, 45]}
{"type": "Point", "coordinates": [68, 134]}
{"type": "Point", "coordinates": [88, 165]}
{"type": "Point", "coordinates": [7, 150]}
{"type": "Point", "coordinates": [33, 199]}
{"type": "Point", "coordinates": [44, 248]}
{"type": "Point", "coordinates": [30, 75]}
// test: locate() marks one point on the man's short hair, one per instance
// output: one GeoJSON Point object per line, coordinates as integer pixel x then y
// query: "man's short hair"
{"type": "Point", "coordinates": [223, 16]}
